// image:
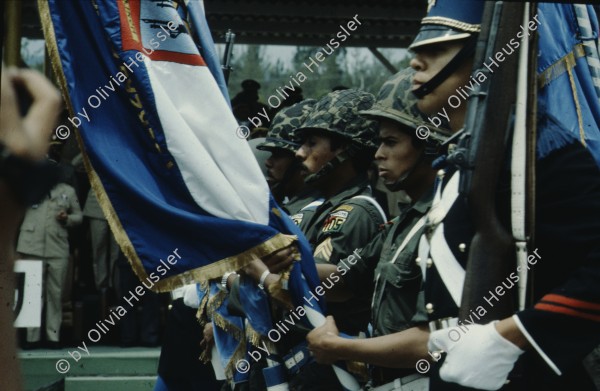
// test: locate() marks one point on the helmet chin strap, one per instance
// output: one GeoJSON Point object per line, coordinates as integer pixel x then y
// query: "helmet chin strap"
{"type": "Point", "coordinates": [467, 51]}
{"type": "Point", "coordinates": [399, 183]}
{"type": "Point", "coordinates": [327, 168]}
{"type": "Point", "coordinates": [287, 176]}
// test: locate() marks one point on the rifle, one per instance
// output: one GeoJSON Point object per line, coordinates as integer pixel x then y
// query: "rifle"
{"type": "Point", "coordinates": [480, 154]}
{"type": "Point", "coordinates": [229, 40]}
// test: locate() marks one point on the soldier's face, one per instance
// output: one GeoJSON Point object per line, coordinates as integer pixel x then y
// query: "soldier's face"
{"type": "Point", "coordinates": [315, 152]}
{"type": "Point", "coordinates": [277, 165]}
{"type": "Point", "coordinates": [396, 154]}
{"type": "Point", "coordinates": [429, 60]}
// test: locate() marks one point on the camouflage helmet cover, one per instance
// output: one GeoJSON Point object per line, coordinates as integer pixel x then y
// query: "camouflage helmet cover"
{"type": "Point", "coordinates": [395, 101]}
{"type": "Point", "coordinates": [338, 113]}
{"type": "Point", "coordinates": [282, 133]}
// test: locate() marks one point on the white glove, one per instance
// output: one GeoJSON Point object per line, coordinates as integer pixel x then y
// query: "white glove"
{"type": "Point", "coordinates": [190, 296]}
{"type": "Point", "coordinates": [480, 358]}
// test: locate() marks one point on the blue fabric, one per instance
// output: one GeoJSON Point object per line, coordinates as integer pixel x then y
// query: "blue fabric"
{"type": "Point", "coordinates": [144, 184]}
{"type": "Point", "coordinates": [275, 375]}
{"type": "Point", "coordinates": [207, 46]}
{"type": "Point", "coordinates": [226, 342]}
{"type": "Point", "coordinates": [152, 202]}
{"type": "Point", "coordinates": [256, 306]}
{"type": "Point", "coordinates": [558, 123]}
{"type": "Point", "coordinates": [306, 357]}
{"type": "Point", "coordinates": [160, 385]}
{"type": "Point", "coordinates": [466, 11]}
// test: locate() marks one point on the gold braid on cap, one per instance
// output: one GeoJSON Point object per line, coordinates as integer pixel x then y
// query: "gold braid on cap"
{"type": "Point", "coordinates": [455, 24]}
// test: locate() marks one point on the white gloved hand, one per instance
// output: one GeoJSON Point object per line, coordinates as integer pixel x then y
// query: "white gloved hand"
{"type": "Point", "coordinates": [190, 296]}
{"type": "Point", "coordinates": [481, 358]}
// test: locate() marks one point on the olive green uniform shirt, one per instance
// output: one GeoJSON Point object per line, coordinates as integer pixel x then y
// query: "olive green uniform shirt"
{"type": "Point", "coordinates": [398, 301]}
{"type": "Point", "coordinates": [297, 207]}
{"type": "Point", "coordinates": [338, 227]}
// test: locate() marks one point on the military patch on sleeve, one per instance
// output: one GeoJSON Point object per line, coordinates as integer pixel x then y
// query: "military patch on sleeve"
{"type": "Point", "coordinates": [347, 208]}
{"type": "Point", "coordinates": [324, 250]}
{"type": "Point", "coordinates": [297, 218]}
{"type": "Point", "coordinates": [335, 220]}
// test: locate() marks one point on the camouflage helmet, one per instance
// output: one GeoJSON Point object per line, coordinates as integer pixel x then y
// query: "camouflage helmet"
{"type": "Point", "coordinates": [282, 131]}
{"type": "Point", "coordinates": [337, 112]}
{"type": "Point", "coordinates": [395, 101]}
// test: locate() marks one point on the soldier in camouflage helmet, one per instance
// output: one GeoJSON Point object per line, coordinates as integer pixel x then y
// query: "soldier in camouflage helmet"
{"type": "Point", "coordinates": [336, 117]}
{"type": "Point", "coordinates": [337, 149]}
{"type": "Point", "coordinates": [385, 269]}
{"type": "Point", "coordinates": [396, 107]}
{"type": "Point", "coordinates": [338, 146]}
{"type": "Point", "coordinates": [283, 169]}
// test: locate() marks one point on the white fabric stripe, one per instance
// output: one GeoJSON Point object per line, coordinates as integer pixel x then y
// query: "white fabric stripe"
{"type": "Point", "coordinates": [448, 267]}
{"type": "Point", "coordinates": [595, 62]}
{"type": "Point", "coordinates": [443, 201]}
{"type": "Point", "coordinates": [536, 346]}
{"type": "Point", "coordinates": [439, 209]}
{"type": "Point", "coordinates": [519, 144]}
{"type": "Point", "coordinates": [218, 168]}
{"type": "Point", "coordinates": [374, 203]}
{"type": "Point", "coordinates": [450, 271]}
{"type": "Point", "coordinates": [279, 387]}
{"type": "Point", "coordinates": [410, 235]}
{"type": "Point", "coordinates": [314, 203]}
{"type": "Point", "coordinates": [521, 248]}
{"type": "Point", "coordinates": [423, 254]}
{"type": "Point", "coordinates": [518, 186]}
{"type": "Point", "coordinates": [591, 47]}
{"type": "Point", "coordinates": [346, 380]}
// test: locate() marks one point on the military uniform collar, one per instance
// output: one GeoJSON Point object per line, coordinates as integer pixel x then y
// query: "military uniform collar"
{"type": "Point", "coordinates": [355, 187]}
{"type": "Point", "coordinates": [421, 206]}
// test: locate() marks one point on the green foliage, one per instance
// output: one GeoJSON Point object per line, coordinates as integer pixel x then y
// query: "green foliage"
{"type": "Point", "coordinates": [353, 68]}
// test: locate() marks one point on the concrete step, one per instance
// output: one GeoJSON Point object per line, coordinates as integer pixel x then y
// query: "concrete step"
{"type": "Point", "coordinates": [114, 383]}
{"type": "Point", "coordinates": [41, 367]}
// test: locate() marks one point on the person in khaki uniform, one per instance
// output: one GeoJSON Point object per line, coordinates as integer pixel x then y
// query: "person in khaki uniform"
{"type": "Point", "coordinates": [386, 265]}
{"type": "Point", "coordinates": [104, 246]}
{"type": "Point", "coordinates": [44, 236]}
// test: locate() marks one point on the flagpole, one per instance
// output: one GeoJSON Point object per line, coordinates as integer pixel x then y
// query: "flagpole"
{"type": "Point", "coordinates": [229, 41]}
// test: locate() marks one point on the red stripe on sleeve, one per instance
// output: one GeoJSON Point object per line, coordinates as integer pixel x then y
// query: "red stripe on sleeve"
{"type": "Point", "coordinates": [587, 305]}
{"type": "Point", "coordinates": [566, 311]}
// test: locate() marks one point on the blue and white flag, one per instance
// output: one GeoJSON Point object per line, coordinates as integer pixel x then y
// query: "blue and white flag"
{"type": "Point", "coordinates": [568, 70]}
{"type": "Point", "coordinates": [183, 194]}
{"type": "Point", "coordinates": [160, 142]}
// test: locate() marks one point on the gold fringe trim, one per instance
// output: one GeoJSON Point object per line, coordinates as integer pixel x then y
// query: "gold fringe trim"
{"type": "Point", "coordinates": [455, 24]}
{"type": "Point", "coordinates": [205, 356]}
{"type": "Point", "coordinates": [278, 291]}
{"type": "Point", "coordinates": [229, 328]}
{"type": "Point", "coordinates": [201, 314]}
{"type": "Point", "coordinates": [258, 340]}
{"type": "Point", "coordinates": [238, 354]}
{"type": "Point", "coordinates": [561, 66]}
{"type": "Point", "coordinates": [236, 262]}
{"type": "Point", "coordinates": [215, 302]}
{"type": "Point", "coordinates": [111, 216]}
{"type": "Point", "coordinates": [200, 274]}
{"type": "Point", "coordinates": [566, 64]}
